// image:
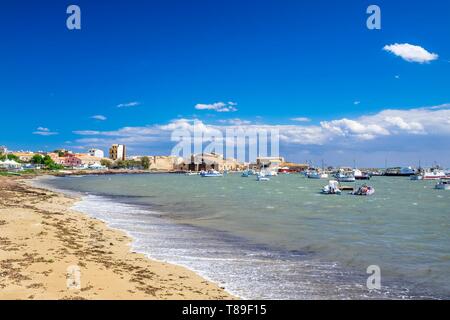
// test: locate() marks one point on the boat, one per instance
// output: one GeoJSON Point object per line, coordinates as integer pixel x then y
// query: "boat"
{"type": "Point", "coordinates": [359, 175]}
{"type": "Point", "coordinates": [190, 173]}
{"type": "Point", "coordinates": [345, 177]}
{"type": "Point", "coordinates": [416, 177]}
{"type": "Point", "coordinates": [434, 174]}
{"type": "Point", "coordinates": [444, 184]}
{"type": "Point", "coordinates": [400, 172]}
{"type": "Point", "coordinates": [364, 191]}
{"type": "Point", "coordinates": [317, 175]}
{"type": "Point", "coordinates": [270, 173]}
{"type": "Point", "coordinates": [245, 174]}
{"type": "Point", "coordinates": [262, 177]}
{"type": "Point", "coordinates": [211, 174]}
{"type": "Point", "coordinates": [332, 188]}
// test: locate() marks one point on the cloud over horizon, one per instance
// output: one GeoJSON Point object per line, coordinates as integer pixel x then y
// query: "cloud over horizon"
{"type": "Point", "coordinates": [400, 127]}
{"type": "Point", "coordinates": [42, 131]}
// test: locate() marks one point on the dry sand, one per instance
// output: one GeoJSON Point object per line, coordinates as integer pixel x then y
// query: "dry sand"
{"type": "Point", "coordinates": [43, 244]}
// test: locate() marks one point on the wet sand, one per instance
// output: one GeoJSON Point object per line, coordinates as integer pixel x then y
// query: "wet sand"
{"type": "Point", "coordinates": [48, 251]}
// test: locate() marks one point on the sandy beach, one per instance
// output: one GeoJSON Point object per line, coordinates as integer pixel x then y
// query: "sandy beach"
{"type": "Point", "coordinates": [48, 251]}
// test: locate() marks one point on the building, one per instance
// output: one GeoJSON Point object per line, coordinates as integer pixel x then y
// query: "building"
{"type": "Point", "coordinates": [24, 156]}
{"type": "Point", "coordinates": [211, 161]}
{"type": "Point", "coordinates": [267, 163]}
{"type": "Point", "coordinates": [96, 153]}
{"type": "Point", "coordinates": [87, 160]}
{"type": "Point", "coordinates": [3, 150]}
{"type": "Point", "coordinates": [118, 152]}
{"type": "Point", "coordinates": [72, 161]}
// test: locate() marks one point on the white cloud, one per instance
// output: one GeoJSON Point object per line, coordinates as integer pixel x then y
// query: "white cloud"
{"type": "Point", "coordinates": [301, 119]}
{"type": "Point", "coordinates": [99, 117]}
{"type": "Point", "coordinates": [218, 106]}
{"type": "Point", "coordinates": [345, 133]}
{"type": "Point", "coordinates": [128, 104]}
{"type": "Point", "coordinates": [411, 53]}
{"type": "Point", "coordinates": [356, 103]}
{"type": "Point", "coordinates": [42, 131]}
{"type": "Point", "coordinates": [235, 121]}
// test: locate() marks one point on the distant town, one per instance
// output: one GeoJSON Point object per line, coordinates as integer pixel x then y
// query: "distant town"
{"type": "Point", "coordinates": [95, 159]}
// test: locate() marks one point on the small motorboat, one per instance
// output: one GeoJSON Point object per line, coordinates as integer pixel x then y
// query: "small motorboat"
{"type": "Point", "coordinates": [317, 175]}
{"type": "Point", "coordinates": [190, 173]}
{"type": "Point", "coordinates": [345, 177]}
{"type": "Point", "coordinates": [416, 177]}
{"type": "Point", "coordinates": [443, 185]}
{"type": "Point", "coordinates": [262, 177]}
{"type": "Point", "coordinates": [211, 174]}
{"type": "Point", "coordinates": [331, 188]}
{"type": "Point", "coordinates": [245, 174]}
{"type": "Point", "coordinates": [359, 175]}
{"type": "Point", "coordinates": [364, 191]}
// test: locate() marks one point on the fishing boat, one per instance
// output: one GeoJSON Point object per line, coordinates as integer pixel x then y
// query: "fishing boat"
{"type": "Point", "coordinates": [211, 174]}
{"type": "Point", "coordinates": [190, 173]}
{"type": "Point", "coordinates": [359, 175]}
{"type": "Point", "coordinates": [444, 184]}
{"type": "Point", "coordinates": [332, 188]}
{"type": "Point", "coordinates": [245, 174]}
{"type": "Point", "coordinates": [434, 174]}
{"type": "Point", "coordinates": [364, 191]}
{"type": "Point", "coordinates": [345, 177]}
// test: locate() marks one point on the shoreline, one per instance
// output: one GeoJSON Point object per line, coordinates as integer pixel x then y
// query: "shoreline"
{"type": "Point", "coordinates": [43, 239]}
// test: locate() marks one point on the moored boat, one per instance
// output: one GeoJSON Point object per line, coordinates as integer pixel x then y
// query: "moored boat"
{"type": "Point", "coordinates": [262, 177]}
{"type": "Point", "coordinates": [332, 188]}
{"type": "Point", "coordinates": [345, 177]}
{"type": "Point", "coordinates": [359, 175]}
{"type": "Point", "coordinates": [211, 174]}
{"type": "Point", "coordinates": [444, 184]}
{"type": "Point", "coordinates": [364, 191]}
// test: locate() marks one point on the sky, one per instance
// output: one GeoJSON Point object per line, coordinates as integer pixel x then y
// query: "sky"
{"type": "Point", "coordinates": [137, 70]}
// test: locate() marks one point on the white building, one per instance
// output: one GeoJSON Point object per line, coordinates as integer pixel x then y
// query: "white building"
{"type": "Point", "coordinates": [96, 153]}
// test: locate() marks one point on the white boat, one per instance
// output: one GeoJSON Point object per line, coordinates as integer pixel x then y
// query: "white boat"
{"type": "Point", "coordinates": [317, 175]}
{"type": "Point", "coordinates": [271, 173]}
{"type": "Point", "coordinates": [434, 174]}
{"type": "Point", "coordinates": [262, 177]}
{"type": "Point", "coordinates": [364, 191]}
{"type": "Point", "coordinates": [443, 185]}
{"type": "Point", "coordinates": [345, 177]}
{"type": "Point", "coordinates": [416, 177]}
{"type": "Point", "coordinates": [359, 175]}
{"type": "Point", "coordinates": [211, 174]}
{"type": "Point", "coordinates": [190, 173]}
{"type": "Point", "coordinates": [331, 188]}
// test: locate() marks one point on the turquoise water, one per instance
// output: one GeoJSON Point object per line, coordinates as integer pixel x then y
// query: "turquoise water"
{"type": "Point", "coordinates": [282, 238]}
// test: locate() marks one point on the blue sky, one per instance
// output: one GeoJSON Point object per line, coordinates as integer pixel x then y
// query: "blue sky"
{"type": "Point", "coordinates": [274, 60]}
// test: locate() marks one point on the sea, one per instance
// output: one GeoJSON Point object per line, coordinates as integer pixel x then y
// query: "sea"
{"type": "Point", "coordinates": [281, 239]}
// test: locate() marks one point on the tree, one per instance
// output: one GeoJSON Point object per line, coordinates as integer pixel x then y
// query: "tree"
{"type": "Point", "coordinates": [145, 163]}
{"type": "Point", "coordinates": [106, 163]}
{"type": "Point", "coordinates": [37, 159]}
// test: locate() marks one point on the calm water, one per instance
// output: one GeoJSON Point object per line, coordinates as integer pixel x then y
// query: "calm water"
{"type": "Point", "coordinates": [282, 239]}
